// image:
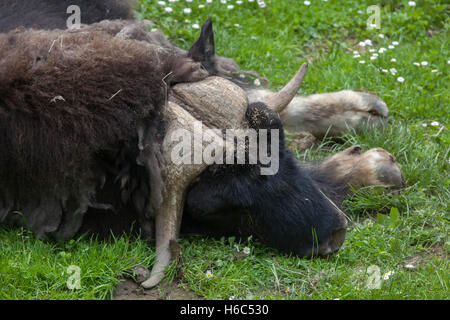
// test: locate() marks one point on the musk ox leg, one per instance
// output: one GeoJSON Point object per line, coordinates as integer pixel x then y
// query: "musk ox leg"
{"type": "Point", "coordinates": [373, 167]}
{"type": "Point", "coordinates": [352, 167]}
{"type": "Point", "coordinates": [331, 113]}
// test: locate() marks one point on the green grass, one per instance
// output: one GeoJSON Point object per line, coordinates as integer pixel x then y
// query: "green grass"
{"type": "Point", "coordinates": [274, 41]}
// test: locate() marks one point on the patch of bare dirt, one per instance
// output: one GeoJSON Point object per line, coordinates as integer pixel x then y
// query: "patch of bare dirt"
{"type": "Point", "coordinates": [127, 289]}
{"type": "Point", "coordinates": [418, 259]}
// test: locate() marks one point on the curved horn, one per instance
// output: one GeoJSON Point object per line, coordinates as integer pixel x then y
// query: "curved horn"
{"type": "Point", "coordinates": [224, 105]}
{"type": "Point", "coordinates": [166, 229]}
{"type": "Point", "coordinates": [278, 101]}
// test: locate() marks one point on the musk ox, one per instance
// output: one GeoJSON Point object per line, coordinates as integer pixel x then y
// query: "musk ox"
{"type": "Point", "coordinates": [328, 114]}
{"type": "Point", "coordinates": [87, 119]}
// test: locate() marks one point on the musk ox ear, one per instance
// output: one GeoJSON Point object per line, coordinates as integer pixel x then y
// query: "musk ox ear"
{"type": "Point", "coordinates": [203, 50]}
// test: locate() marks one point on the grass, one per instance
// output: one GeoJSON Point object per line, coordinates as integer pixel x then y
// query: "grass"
{"type": "Point", "coordinates": [389, 230]}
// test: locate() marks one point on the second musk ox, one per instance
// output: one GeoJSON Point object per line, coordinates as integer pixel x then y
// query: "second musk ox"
{"type": "Point", "coordinates": [86, 124]}
{"type": "Point", "coordinates": [328, 114]}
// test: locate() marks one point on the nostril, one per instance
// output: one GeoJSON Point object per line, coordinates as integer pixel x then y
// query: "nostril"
{"type": "Point", "coordinates": [334, 243]}
{"type": "Point", "coordinates": [326, 252]}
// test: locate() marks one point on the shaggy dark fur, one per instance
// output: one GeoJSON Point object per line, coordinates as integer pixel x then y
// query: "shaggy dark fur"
{"type": "Point", "coordinates": [52, 14]}
{"type": "Point", "coordinates": [70, 108]}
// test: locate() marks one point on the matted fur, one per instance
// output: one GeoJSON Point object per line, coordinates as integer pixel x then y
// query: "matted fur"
{"type": "Point", "coordinates": [70, 104]}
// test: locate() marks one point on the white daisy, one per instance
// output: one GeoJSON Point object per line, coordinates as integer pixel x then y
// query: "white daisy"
{"type": "Point", "coordinates": [424, 63]}
{"type": "Point", "coordinates": [401, 79]}
{"type": "Point", "coordinates": [168, 9]}
{"type": "Point", "coordinates": [412, 3]}
{"type": "Point", "coordinates": [187, 10]}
